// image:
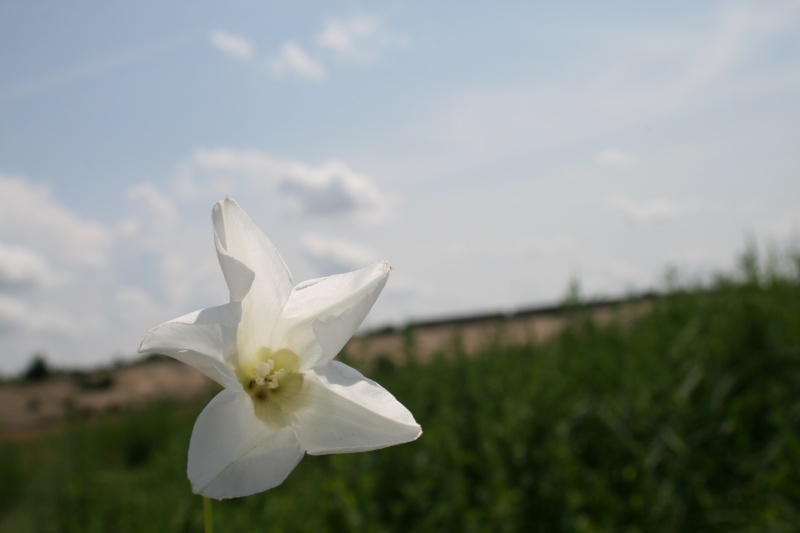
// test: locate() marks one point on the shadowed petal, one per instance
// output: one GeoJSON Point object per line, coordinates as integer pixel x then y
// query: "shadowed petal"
{"type": "Point", "coordinates": [242, 246]}
{"type": "Point", "coordinates": [238, 277]}
{"type": "Point", "coordinates": [204, 340]}
{"type": "Point", "coordinates": [322, 314]}
{"type": "Point", "coordinates": [339, 411]}
{"type": "Point", "coordinates": [233, 454]}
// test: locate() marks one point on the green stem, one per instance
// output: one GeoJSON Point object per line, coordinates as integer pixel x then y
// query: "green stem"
{"type": "Point", "coordinates": [208, 518]}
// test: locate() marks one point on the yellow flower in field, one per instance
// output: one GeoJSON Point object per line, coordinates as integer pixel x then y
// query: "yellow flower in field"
{"type": "Point", "coordinates": [272, 349]}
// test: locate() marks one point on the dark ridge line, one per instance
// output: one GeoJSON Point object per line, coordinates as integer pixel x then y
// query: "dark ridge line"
{"type": "Point", "coordinates": [520, 313]}
{"type": "Point", "coordinates": [555, 309]}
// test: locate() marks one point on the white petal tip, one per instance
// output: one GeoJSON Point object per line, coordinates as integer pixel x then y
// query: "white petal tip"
{"type": "Point", "coordinates": [143, 346]}
{"type": "Point", "coordinates": [225, 200]}
{"type": "Point", "coordinates": [383, 267]}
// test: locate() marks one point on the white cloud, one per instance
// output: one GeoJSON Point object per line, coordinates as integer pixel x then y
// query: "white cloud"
{"type": "Point", "coordinates": [128, 227]}
{"type": "Point", "coordinates": [615, 158]}
{"type": "Point", "coordinates": [21, 267]}
{"type": "Point", "coordinates": [359, 39]}
{"type": "Point", "coordinates": [329, 189]}
{"type": "Point", "coordinates": [30, 214]}
{"type": "Point", "coordinates": [293, 60]}
{"type": "Point", "coordinates": [157, 244]}
{"type": "Point", "coordinates": [232, 44]}
{"type": "Point", "coordinates": [150, 199]}
{"type": "Point", "coordinates": [81, 290]}
{"type": "Point", "coordinates": [13, 313]}
{"type": "Point", "coordinates": [134, 305]}
{"type": "Point", "coordinates": [17, 314]}
{"type": "Point", "coordinates": [672, 71]}
{"type": "Point", "coordinates": [649, 211]}
{"type": "Point", "coordinates": [253, 163]}
{"type": "Point", "coordinates": [331, 256]}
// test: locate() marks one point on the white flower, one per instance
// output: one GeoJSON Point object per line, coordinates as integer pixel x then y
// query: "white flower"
{"type": "Point", "coordinates": [272, 349]}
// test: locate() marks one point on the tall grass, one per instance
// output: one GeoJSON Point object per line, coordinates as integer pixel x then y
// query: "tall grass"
{"type": "Point", "coordinates": [686, 420]}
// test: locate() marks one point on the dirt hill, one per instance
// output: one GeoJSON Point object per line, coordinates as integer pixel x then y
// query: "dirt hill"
{"type": "Point", "coordinates": [29, 406]}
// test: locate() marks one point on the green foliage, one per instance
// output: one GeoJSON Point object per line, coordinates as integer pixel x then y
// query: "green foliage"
{"type": "Point", "coordinates": [12, 477]}
{"type": "Point", "coordinates": [686, 420]}
{"type": "Point", "coordinates": [37, 370]}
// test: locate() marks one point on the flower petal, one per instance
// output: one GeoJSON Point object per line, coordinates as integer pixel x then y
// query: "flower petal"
{"type": "Point", "coordinates": [233, 454]}
{"type": "Point", "coordinates": [205, 340]}
{"type": "Point", "coordinates": [238, 277]}
{"type": "Point", "coordinates": [322, 314]}
{"type": "Point", "coordinates": [241, 246]}
{"type": "Point", "coordinates": [339, 411]}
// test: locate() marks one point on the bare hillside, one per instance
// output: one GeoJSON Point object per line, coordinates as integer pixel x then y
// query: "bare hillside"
{"type": "Point", "coordinates": [33, 405]}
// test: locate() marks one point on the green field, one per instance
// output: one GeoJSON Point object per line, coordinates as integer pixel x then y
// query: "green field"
{"type": "Point", "coordinates": [687, 420]}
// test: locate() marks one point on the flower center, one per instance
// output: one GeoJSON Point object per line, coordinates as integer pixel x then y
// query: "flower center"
{"type": "Point", "coordinates": [267, 376]}
{"type": "Point", "coordinates": [270, 378]}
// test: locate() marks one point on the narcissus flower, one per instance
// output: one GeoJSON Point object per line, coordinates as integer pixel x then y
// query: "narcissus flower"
{"type": "Point", "coordinates": [272, 349]}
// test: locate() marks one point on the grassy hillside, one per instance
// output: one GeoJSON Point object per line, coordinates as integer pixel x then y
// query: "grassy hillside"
{"type": "Point", "coordinates": [688, 420]}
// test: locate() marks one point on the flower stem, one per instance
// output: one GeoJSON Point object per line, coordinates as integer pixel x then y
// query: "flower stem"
{"type": "Point", "coordinates": [208, 518]}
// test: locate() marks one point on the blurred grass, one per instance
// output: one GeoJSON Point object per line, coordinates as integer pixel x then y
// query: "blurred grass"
{"type": "Point", "coordinates": [686, 420]}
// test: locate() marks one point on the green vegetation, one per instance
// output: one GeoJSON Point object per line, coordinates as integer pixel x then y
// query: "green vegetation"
{"type": "Point", "coordinates": [37, 370]}
{"type": "Point", "coordinates": [687, 420]}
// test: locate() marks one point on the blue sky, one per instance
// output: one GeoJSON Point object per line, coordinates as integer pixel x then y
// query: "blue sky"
{"type": "Point", "coordinates": [490, 153]}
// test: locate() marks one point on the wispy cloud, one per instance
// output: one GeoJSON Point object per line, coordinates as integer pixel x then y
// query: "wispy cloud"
{"type": "Point", "coordinates": [154, 201]}
{"type": "Point", "coordinates": [52, 262]}
{"type": "Point", "coordinates": [650, 211]}
{"type": "Point", "coordinates": [30, 214]}
{"type": "Point", "coordinates": [91, 69]}
{"type": "Point", "coordinates": [332, 188]}
{"type": "Point", "coordinates": [360, 38]}
{"type": "Point", "coordinates": [17, 314]}
{"type": "Point", "coordinates": [153, 214]}
{"type": "Point", "coordinates": [672, 70]}
{"type": "Point", "coordinates": [293, 60]}
{"type": "Point", "coordinates": [330, 255]}
{"type": "Point", "coordinates": [83, 289]}
{"type": "Point", "coordinates": [615, 158]}
{"type": "Point", "coordinates": [355, 40]}
{"type": "Point", "coordinates": [232, 44]}
{"type": "Point", "coordinates": [21, 268]}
